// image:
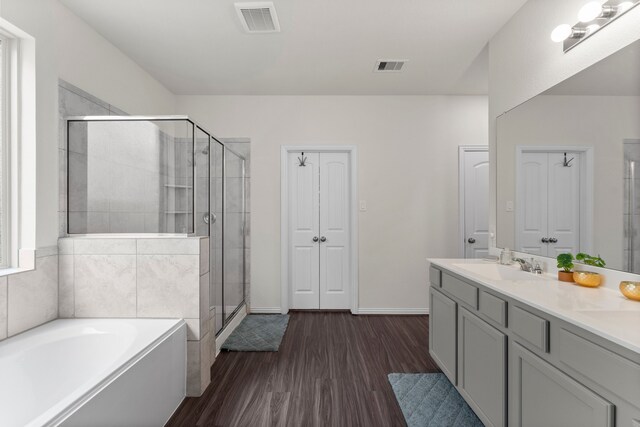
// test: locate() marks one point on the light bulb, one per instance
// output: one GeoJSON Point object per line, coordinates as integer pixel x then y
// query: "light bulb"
{"type": "Point", "coordinates": [592, 28]}
{"type": "Point", "coordinates": [590, 11]}
{"type": "Point", "coordinates": [561, 33]}
{"type": "Point", "coordinates": [624, 6]}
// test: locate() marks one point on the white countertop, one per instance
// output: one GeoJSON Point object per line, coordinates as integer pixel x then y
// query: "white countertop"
{"type": "Point", "coordinates": [602, 311]}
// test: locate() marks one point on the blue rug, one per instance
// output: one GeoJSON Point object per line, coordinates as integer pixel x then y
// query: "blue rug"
{"type": "Point", "coordinates": [430, 400]}
{"type": "Point", "coordinates": [258, 332]}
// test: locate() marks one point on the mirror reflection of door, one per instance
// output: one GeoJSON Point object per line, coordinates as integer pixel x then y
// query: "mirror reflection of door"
{"type": "Point", "coordinates": [474, 181]}
{"type": "Point", "coordinates": [548, 202]}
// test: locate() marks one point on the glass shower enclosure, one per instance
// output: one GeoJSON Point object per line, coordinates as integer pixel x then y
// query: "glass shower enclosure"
{"type": "Point", "coordinates": [162, 176]}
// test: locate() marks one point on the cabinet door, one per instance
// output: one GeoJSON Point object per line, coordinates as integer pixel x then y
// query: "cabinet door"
{"type": "Point", "coordinates": [482, 368]}
{"type": "Point", "coordinates": [541, 395]}
{"type": "Point", "coordinates": [442, 333]}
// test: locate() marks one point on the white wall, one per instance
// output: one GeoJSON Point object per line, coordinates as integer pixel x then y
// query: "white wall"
{"type": "Point", "coordinates": [67, 48]}
{"type": "Point", "coordinates": [408, 170]}
{"type": "Point", "coordinates": [523, 61]}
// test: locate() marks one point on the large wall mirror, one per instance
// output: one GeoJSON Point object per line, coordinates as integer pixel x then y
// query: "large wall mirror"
{"type": "Point", "coordinates": [568, 166]}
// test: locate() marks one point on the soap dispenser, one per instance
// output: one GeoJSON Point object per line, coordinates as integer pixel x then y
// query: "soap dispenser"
{"type": "Point", "coordinates": [505, 257]}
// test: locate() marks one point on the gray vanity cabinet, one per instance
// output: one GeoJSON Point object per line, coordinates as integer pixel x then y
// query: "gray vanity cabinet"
{"type": "Point", "coordinates": [482, 368]}
{"type": "Point", "coordinates": [442, 333]}
{"type": "Point", "coordinates": [541, 395]}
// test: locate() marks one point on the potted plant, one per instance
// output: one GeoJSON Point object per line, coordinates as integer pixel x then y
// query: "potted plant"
{"type": "Point", "coordinates": [588, 278]}
{"type": "Point", "coordinates": [565, 263]}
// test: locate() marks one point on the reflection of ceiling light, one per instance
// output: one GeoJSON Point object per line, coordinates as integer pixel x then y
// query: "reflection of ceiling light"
{"type": "Point", "coordinates": [592, 28]}
{"type": "Point", "coordinates": [624, 6]}
{"type": "Point", "coordinates": [590, 11]}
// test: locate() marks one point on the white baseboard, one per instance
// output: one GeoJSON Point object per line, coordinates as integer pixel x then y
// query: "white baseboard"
{"type": "Point", "coordinates": [405, 311]}
{"type": "Point", "coordinates": [266, 310]}
{"type": "Point", "coordinates": [220, 339]}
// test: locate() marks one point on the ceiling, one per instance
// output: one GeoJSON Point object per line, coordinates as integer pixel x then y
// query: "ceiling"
{"type": "Point", "coordinates": [616, 75]}
{"type": "Point", "coordinates": [326, 47]}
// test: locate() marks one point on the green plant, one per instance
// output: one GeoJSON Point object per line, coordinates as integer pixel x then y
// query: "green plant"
{"type": "Point", "coordinates": [565, 262]}
{"type": "Point", "coordinates": [587, 259]}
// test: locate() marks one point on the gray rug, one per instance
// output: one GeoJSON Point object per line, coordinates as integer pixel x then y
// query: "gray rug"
{"type": "Point", "coordinates": [258, 332]}
{"type": "Point", "coordinates": [430, 400]}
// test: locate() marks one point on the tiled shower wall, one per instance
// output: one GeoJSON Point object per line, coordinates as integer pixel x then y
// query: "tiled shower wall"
{"type": "Point", "coordinates": [142, 278]}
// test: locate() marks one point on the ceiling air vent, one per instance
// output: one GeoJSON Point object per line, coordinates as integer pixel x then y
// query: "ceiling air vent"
{"type": "Point", "coordinates": [258, 17]}
{"type": "Point", "coordinates": [389, 65]}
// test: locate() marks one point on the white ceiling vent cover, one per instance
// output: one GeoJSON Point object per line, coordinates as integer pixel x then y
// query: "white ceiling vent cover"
{"type": "Point", "coordinates": [258, 17]}
{"type": "Point", "coordinates": [389, 65]}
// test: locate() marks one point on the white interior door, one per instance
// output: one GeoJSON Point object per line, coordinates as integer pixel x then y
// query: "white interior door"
{"type": "Point", "coordinates": [531, 204]}
{"type": "Point", "coordinates": [564, 204]}
{"type": "Point", "coordinates": [334, 231]}
{"type": "Point", "coordinates": [304, 212]}
{"type": "Point", "coordinates": [319, 231]}
{"type": "Point", "coordinates": [476, 204]}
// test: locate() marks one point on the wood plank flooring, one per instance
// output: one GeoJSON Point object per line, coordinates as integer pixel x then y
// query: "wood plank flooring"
{"type": "Point", "coordinates": [331, 370]}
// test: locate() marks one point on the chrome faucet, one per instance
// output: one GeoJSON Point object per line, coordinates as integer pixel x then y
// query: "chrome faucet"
{"type": "Point", "coordinates": [529, 266]}
{"type": "Point", "coordinates": [524, 265]}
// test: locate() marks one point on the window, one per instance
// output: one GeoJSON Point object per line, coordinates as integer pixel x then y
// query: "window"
{"type": "Point", "coordinates": [17, 148]}
{"type": "Point", "coordinates": [5, 220]}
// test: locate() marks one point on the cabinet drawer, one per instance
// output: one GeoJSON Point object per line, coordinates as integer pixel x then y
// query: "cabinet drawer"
{"type": "Point", "coordinates": [435, 276]}
{"type": "Point", "coordinates": [493, 307]}
{"type": "Point", "coordinates": [462, 290]}
{"type": "Point", "coordinates": [531, 328]}
{"type": "Point", "coordinates": [612, 371]}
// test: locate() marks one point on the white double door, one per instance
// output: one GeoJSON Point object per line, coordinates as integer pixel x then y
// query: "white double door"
{"type": "Point", "coordinates": [548, 203]}
{"type": "Point", "coordinates": [319, 231]}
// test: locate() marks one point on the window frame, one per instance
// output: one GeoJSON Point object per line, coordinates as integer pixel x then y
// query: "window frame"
{"type": "Point", "coordinates": [7, 45]}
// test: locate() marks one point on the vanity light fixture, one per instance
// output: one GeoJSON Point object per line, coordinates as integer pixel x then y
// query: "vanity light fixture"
{"type": "Point", "coordinates": [592, 17]}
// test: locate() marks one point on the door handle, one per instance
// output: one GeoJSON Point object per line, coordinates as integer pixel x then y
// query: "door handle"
{"type": "Point", "coordinates": [323, 239]}
{"type": "Point", "coordinates": [471, 240]}
{"type": "Point", "coordinates": [553, 240]}
{"type": "Point", "coordinates": [545, 240]}
{"type": "Point", "coordinates": [315, 238]}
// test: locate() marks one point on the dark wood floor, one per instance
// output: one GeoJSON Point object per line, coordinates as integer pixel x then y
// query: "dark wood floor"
{"type": "Point", "coordinates": [331, 370]}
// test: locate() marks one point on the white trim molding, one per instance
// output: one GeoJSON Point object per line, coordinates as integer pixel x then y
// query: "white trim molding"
{"type": "Point", "coordinates": [266, 310]}
{"type": "Point", "coordinates": [284, 217]}
{"type": "Point", "coordinates": [390, 311]}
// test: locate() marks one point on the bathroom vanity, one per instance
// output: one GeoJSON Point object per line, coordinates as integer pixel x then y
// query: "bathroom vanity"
{"type": "Point", "coordinates": [528, 350]}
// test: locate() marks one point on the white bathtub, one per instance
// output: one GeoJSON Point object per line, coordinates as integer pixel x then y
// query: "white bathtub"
{"type": "Point", "coordinates": [93, 372]}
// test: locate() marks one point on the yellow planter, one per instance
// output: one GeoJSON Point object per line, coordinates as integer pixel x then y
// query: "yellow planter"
{"type": "Point", "coordinates": [587, 278]}
{"type": "Point", "coordinates": [630, 290]}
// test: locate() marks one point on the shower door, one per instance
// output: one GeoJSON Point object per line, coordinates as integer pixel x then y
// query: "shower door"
{"type": "Point", "coordinates": [234, 227]}
{"type": "Point", "coordinates": [227, 234]}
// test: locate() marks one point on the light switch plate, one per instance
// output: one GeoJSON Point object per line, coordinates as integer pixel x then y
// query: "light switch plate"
{"type": "Point", "coordinates": [509, 207]}
{"type": "Point", "coordinates": [363, 205]}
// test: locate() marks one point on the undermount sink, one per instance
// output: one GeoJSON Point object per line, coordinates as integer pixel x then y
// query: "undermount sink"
{"type": "Point", "coordinates": [497, 271]}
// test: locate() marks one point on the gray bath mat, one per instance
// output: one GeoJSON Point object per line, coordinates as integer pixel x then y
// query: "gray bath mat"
{"type": "Point", "coordinates": [431, 400]}
{"type": "Point", "coordinates": [258, 332]}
